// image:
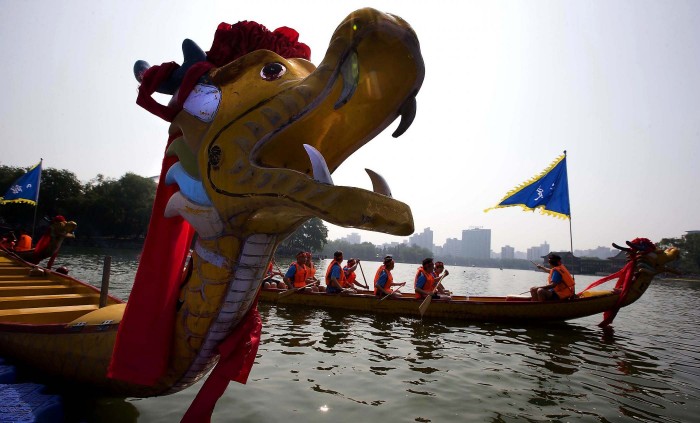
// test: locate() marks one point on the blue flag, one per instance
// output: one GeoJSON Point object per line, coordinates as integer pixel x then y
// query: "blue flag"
{"type": "Point", "coordinates": [25, 189]}
{"type": "Point", "coordinates": [548, 191]}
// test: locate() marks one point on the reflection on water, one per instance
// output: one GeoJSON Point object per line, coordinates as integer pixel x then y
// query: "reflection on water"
{"type": "Point", "coordinates": [320, 365]}
{"type": "Point", "coordinates": [87, 264]}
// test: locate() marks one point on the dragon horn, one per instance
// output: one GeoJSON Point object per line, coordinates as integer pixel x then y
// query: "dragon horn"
{"type": "Point", "coordinates": [621, 248]}
{"type": "Point", "coordinates": [191, 54]}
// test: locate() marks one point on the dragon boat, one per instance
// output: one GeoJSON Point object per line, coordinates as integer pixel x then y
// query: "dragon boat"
{"type": "Point", "coordinates": [255, 132]}
{"type": "Point", "coordinates": [632, 281]}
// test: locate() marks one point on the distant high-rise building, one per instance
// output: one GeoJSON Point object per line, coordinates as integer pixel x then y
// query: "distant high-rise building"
{"type": "Point", "coordinates": [507, 252]}
{"type": "Point", "coordinates": [452, 247]}
{"type": "Point", "coordinates": [476, 243]}
{"type": "Point", "coordinates": [423, 240]}
{"type": "Point", "coordinates": [536, 253]}
{"type": "Point", "coordinates": [353, 238]}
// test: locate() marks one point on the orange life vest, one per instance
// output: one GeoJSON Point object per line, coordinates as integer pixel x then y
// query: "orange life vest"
{"type": "Point", "coordinates": [349, 278]}
{"type": "Point", "coordinates": [341, 281]}
{"type": "Point", "coordinates": [310, 271]}
{"type": "Point", "coordinates": [565, 288]}
{"type": "Point", "coordinates": [389, 279]}
{"type": "Point", "coordinates": [24, 243]}
{"type": "Point", "coordinates": [299, 275]}
{"type": "Point", "coordinates": [429, 281]}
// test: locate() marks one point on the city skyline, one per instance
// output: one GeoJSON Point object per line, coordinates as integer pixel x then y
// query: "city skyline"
{"type": "Point", "coordinates": [532, 252]}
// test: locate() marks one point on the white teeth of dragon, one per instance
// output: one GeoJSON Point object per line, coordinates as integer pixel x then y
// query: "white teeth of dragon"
{"type": "Point", "coordinates": [323, 175]}
{"type": "Point", "coordinates": [318, 165]}
{"type": "Point", "coordinates": [379, 184]}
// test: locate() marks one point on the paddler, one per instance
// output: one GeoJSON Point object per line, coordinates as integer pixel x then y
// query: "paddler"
{"type": "Point", "coordinates": [335, 277]}
{"type": "Point", "coordinates": [439, 267]}
{"type": "Point", "coordinates": [425, 283]}
{"type": "Point", "coordinates": [311, 274]}
{"type": "Point", "coordinates": [296, 274]}
{"type": "Point", "coordinates": [350, 276]}
{"type": "Point", "coordinates": [560, 283]}
{"type": "Point", "coordinates": [269, 281]}
{"type": "Point", "coordinates": [24, 243]}
{"type": "Point", "coordinates": [383, 279]}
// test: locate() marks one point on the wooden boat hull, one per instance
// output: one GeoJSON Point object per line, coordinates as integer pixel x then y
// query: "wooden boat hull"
{"type": "Point", "coordinates": [53, 324]}
{"type": "Point", "coordinates": [484, 309]}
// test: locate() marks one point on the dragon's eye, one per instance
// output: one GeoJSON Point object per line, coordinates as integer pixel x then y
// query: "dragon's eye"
{"type": "Point", "coordinates": [272, 71]}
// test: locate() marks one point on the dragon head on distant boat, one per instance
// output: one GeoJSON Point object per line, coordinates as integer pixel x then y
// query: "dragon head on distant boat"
{"type": "Point", "coordinates": [260, 136]}
{"type": "Point", "coordinates": [51, 241]}
{"type": "Point", "coordinates": [650, 259]}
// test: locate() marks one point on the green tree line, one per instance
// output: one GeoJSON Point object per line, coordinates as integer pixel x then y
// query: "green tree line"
{"type": "Point", "coordinates": [689, 245]}
{"type": "Point", "coordinates": [103, 207]}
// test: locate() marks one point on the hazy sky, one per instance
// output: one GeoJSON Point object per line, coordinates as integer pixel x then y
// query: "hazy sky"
{"type": "Point", "coordinates": [508, 87]}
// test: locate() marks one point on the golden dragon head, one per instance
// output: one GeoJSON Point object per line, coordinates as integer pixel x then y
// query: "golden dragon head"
{"type": "Point", "coordinates": [259, 137]}
{"type": "Point", "coordinates": [650, 259]}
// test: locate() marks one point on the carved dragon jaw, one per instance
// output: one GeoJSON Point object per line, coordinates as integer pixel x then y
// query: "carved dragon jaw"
{"type": "Point", "coordinates": [263, 134]}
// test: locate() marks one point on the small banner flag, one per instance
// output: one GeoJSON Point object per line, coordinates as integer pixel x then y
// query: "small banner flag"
{"type": "Point", "coordinates": [548, 191]}
{"type": "Point", "coordinates": [25, 189]}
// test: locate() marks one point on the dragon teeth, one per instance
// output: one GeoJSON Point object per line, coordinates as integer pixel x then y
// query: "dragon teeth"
{"type": "Point", "coordinates": [379, 184]}
{"type": "Point", "coordinates": [318, 165]}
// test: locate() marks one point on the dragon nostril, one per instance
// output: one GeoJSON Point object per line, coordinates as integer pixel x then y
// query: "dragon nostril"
{"type": "Point", "coordinates": [215, 156]}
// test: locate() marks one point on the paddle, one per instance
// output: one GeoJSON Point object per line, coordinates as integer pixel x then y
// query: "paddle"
{"type": "Point", "coordinates": [389, 295]}
{"type": "Point", "coordinates": [426, 302]}
{"type": "Point", "coordinates": [293, 290]}
{"type": "Point", "coordinates": [363, 275]}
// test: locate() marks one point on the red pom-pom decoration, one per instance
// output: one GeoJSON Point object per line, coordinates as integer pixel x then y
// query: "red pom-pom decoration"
{"type": "Point", "coordinates": [234, 41]}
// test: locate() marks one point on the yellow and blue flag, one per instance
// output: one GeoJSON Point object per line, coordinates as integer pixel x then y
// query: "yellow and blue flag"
{"type": "Point", "coordinates": [547, 191]}
{"type": "Point", "coordinates": [25, 189]}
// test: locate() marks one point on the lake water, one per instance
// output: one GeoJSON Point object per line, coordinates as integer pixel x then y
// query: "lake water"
{"type": "Point", "coordinates": [328, 366]}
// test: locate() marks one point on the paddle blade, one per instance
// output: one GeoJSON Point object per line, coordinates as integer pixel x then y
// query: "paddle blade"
{"type": "Point", "coordinates": [288, 292]}
{"type": "Point", "coordinates": [424, 305]}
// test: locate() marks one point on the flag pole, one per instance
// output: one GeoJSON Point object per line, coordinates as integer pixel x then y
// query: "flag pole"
{"type": "Point", "coordinates": [36, 200]}
{"type": "Point", "coordinates": [571, 236]}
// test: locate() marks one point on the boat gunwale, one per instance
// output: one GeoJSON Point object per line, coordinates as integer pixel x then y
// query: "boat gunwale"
{"type": "Point", "coordinates": [456, 300]}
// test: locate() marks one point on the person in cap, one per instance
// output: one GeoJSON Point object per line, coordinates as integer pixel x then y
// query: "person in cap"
{"type": "Point", "coordinates": [350, 276]}
{"type": "Point", "coordinates": [560, 283]}
{"type": "Point", "coordinates": [424, 282]}
{"type": "Point", "coordinates": [437, 274]}
{"type": "Point", "coordinates": [335, 277]}
{"type": "Point", "coordinates": [384, 280]}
